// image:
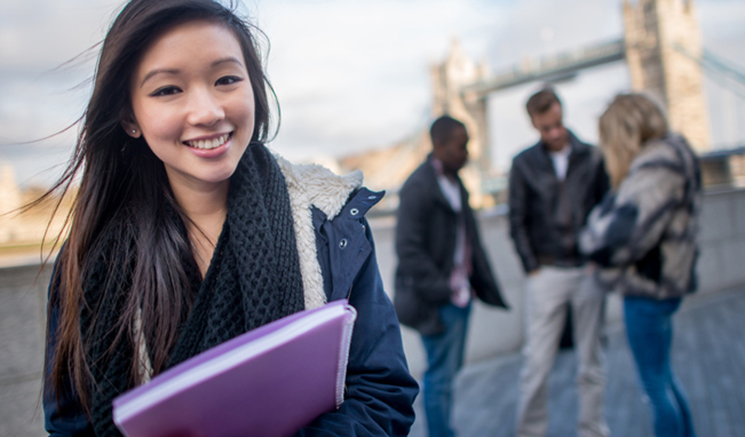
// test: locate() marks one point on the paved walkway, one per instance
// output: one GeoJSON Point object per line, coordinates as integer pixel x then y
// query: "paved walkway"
{"type": "Point", "coordinates": [708, 357]}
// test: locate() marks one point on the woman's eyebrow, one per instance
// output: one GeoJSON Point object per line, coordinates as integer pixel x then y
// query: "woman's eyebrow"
{"type": "Point", "coordinates": [228, 59]}
{"type": "Point", "coordinates": [152, 73]}
{"type": "Point", "coordinates": [174, 71]}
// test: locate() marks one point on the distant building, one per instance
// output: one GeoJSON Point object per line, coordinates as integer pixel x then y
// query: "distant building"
{"type": "Point", "coordinates": [724, 168]}
{"type": "Point", "coordinates": [23, 233]}
{"type": "Point", "coordinates": [10, 195]}
{"type": "Point", "coordinates": [10, 200]}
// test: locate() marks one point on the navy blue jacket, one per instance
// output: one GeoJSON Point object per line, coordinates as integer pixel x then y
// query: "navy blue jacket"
{"type": "Point", "coordinates": [380, 390]}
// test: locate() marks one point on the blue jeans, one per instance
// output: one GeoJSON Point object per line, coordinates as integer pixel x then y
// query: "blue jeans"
{"type": "Point", "coordinates": [444, 359]}
{"type": "Point", "coordinates": [650, 332]}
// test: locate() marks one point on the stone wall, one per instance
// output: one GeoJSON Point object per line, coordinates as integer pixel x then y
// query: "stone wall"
{"type": "Point", "coordinates": [494, 332]}
{"type": "Point", "coordinates": [22, 323]}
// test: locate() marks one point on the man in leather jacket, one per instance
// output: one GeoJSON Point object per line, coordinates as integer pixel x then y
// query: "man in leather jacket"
{"type": "Point", "coordinates": [553, 186]}
{"type": "Point", "coordinates": [442, 265]}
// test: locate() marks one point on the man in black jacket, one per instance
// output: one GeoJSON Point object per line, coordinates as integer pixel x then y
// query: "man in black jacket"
{"type": "Point", "coordinates": [441, 264]}
{"type": "Point", "coordinates": [553, 186]}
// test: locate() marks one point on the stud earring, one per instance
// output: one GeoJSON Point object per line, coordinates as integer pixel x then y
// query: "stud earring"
{"type": "Point", "coordinates": [134, 131]}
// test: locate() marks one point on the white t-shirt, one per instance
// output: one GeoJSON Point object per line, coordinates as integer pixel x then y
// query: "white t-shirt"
{"type": "Point", "coordinates": [459, 281]}
{"type": "Point", "coordinates": [561, 161]}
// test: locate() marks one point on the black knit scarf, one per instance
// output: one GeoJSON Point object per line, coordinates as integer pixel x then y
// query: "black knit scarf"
{"type": "Point", "coordinates": [254, 278]}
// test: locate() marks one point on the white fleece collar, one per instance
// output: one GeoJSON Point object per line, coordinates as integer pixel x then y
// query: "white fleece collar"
{"type": "Point", "coordinates": [314, 185]}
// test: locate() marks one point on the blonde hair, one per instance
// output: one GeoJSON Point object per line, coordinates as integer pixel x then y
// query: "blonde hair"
{"type": "Point", "coordinates": [629, 122]}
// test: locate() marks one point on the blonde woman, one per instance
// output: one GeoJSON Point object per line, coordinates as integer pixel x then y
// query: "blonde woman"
{"type": "Point", "coordinates": [644, 236]}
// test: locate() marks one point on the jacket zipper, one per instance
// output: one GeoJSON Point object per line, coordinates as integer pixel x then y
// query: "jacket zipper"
{"type": "Point", "coordinates": [349, 294]}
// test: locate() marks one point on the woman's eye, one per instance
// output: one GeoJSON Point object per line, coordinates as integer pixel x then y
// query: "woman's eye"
{"type": "Point", "coordinates": [166, 91]}
{"type": "Point", "coordinates": [228, 80]}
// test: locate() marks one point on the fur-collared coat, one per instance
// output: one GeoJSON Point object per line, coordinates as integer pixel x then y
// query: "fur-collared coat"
{"type": "Point", "coordinates": [645, 232]}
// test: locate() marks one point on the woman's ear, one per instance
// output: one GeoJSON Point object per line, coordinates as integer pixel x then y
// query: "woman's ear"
{"type": "Point", "coordinates": [131, 127]}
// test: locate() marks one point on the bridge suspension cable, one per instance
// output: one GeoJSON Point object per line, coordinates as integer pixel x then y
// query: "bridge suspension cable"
{"type": "Point", "coordinates": [722, 70]}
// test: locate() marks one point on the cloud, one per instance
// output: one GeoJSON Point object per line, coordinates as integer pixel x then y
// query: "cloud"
{"type": "Point", "coordinates": [360, 69]}
{"type": "Point", "coordinates": [44, 34]}
{"type": "Point", "coordinates": [353, 74]}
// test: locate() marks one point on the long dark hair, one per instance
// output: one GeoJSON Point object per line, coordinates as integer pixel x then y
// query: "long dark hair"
{"type": "Point", "coordinates": [124, 193]}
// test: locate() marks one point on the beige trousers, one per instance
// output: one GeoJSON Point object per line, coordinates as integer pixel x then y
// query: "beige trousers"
{"type": "Point", "coordinates": [548, 292]}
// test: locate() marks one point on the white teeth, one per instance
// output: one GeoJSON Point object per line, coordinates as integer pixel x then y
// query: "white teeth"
{"type": "Point", "coordinates": [209, 144]}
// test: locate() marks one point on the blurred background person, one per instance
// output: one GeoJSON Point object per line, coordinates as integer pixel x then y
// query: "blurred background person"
{"type": "Point", "coordinates": [441, 263]}
{"type": "Point", "coordinates": [644, 235]}
{"type": "Point", "coordinates": [553, 186]}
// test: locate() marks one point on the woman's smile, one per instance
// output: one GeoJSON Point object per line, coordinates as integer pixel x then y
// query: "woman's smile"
{"type": "Point", "coordinates": [208, 143]}
{"type": "Point", "coordinates": [210, 147]}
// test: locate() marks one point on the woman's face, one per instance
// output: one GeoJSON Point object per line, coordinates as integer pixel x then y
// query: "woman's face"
{"type": "Point", "coordinates": [192, 102]}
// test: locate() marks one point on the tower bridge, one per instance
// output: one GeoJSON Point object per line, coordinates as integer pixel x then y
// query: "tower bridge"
{"type": "Point", "coordinates": [661, 47]}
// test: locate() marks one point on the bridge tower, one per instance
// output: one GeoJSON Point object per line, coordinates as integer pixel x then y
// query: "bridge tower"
{"type": "Point", "coordinates": [663, 42]}
{"type": "Point", "coordinates": [448, 81]}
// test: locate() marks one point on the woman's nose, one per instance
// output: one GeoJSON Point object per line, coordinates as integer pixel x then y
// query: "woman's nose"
{"type": "Point", "coordinates": [204, 108]}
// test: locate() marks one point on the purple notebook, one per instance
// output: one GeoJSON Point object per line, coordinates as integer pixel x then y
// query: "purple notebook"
{"type": "Point", "coordinates": [268, 382]}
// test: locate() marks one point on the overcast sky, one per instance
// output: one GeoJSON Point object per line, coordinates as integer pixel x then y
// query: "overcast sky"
{"type": "Point", "coordinates": [350, 75]}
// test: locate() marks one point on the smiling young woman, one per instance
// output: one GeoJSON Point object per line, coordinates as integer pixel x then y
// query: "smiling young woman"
{"type": "Point", "coordinates": [187, 231]}
{"type": "Point", "coordinates": [193, 104]}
